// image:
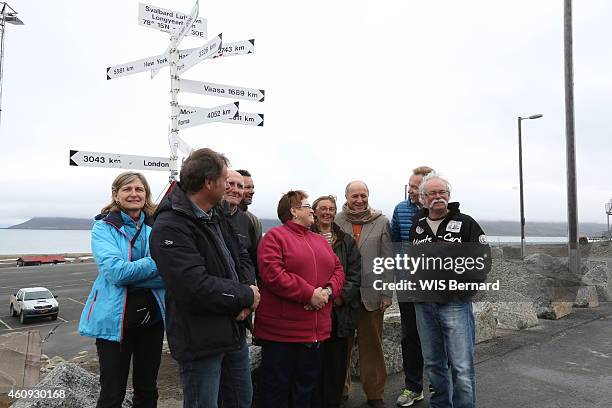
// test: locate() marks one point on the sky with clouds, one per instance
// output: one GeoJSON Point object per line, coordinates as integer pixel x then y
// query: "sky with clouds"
{"type": "Point", "coordinates": [354, 90]}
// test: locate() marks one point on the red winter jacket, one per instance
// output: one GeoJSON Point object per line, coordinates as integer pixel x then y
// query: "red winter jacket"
{"type": "Point", "coordinates": [293, 261]}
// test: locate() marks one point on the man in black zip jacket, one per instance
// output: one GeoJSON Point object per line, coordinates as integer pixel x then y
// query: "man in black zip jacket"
{"type": "Point", "coordinates": [453, 250]}
{"type": "Point", "coordinates": [210, 285]}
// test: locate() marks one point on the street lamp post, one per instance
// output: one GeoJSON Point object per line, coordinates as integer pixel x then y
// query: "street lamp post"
{"type": "Point", "coordinates": [520, 147]}
{"type": "Point", "coordinates": [7, 15]}
{"type": "Point", "coordinates": [609, 213]}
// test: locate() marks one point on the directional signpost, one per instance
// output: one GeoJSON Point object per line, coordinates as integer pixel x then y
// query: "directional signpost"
{"type": "Point", "coordinates": [121, 161]}
{"type": "Point", "coordinates": [179, 25]}
{"type": "Point", "coordinates": [191, 116]}
{"type": "Point", "coordinates": [224, 91]}
{"type": "Point", "coordinates": [169, 20]}
{"type": "Point", "coordinates": [134, 67]}
{"type": "Point", "coordinates": [177, 36]}
{"type": "Point", "coordinates": [237, 48]}
{"type": "Point", "coordinates": [198, 55]}
{"type": "Point", "coordinates": [246, 118]}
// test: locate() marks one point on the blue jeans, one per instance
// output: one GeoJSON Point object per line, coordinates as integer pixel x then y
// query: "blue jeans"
{"type": "Point", "coordinates": [221, 380]}
{"type": "Point", "coordinates": [447, 334]}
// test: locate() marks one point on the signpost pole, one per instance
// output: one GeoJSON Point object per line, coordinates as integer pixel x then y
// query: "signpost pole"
{"type": "Point", "coordinates": [174, 112]}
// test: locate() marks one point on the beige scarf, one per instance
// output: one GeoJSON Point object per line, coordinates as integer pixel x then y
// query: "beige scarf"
{"type": "Point", "coordinates": [361, 217]}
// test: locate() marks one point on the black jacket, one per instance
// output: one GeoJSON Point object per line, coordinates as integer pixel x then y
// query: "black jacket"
{"type": "Point", "coordinates": [344, 318]}
{"type": "Point", "coordinates": [202, 297]}
{"type": "Point", "coordinates": [459, 237]}
{"type": "Point", "coordinates": [245, 231]}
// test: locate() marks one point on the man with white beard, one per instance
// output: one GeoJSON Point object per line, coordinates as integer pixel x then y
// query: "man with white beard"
{"type": "Point", "coordinates": [446, 321]}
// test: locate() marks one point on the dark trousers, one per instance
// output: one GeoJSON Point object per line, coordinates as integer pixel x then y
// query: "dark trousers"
{"type": "Point", "coordinates": [412, 356]}
{"type": "Point", "coordinates": [145, 346]}
{"type": "Point", "coordinates": [289, 373]}
{"type": "Point", "coordinates": [328, 393]}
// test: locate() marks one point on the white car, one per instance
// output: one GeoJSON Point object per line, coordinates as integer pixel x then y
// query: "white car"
{"type": "Point", "coordinates": [33, 302]}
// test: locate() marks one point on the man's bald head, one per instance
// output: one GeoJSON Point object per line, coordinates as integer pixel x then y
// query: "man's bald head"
{"type": "Point", "coordinates": [355, 183]}
{"type": "Point", "coordinates": [357, 194]}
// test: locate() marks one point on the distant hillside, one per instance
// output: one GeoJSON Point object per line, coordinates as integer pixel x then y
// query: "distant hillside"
{"type": "Point", "coordinates": [268, 223]}
{"type": "Point", "coordinates": [503, 228]}
{"type": "Point", "coordinates": [540, 229]}
{"type": "Point", "coordinates": [58, 223]}
{"type": "Point", "coordinates": [55, 223]}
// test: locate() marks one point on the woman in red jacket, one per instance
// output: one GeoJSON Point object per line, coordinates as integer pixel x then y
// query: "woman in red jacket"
{"type": "Point", "coordinates": [299, 276]}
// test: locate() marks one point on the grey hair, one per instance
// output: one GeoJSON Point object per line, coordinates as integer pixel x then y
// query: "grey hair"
{"type": "Point", "coordinates": [433, 176]}
{"type": "Point", "coordinates": [346, 189]}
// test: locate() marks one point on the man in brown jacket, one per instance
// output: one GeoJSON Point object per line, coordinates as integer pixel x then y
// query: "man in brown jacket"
{"type": "Point", "coordinates": [370, 228]}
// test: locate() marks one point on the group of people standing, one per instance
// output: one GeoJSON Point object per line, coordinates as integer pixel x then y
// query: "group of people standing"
{"type": "Point", "coordinates": [198, 266]}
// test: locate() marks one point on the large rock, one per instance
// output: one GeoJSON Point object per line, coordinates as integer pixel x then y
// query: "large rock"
{"type": "Point", "coordinates": [557, 310]}
{"type": "Point", "coordinates": [514, 311]}
{"type": "Point", "coordinates": [541, 278]}
{"type": "Point", "coordinates": [81, 389]}
{"type": "Point", "coordinates": [497, 252]}
{"type": "Point", "coordinates": [587, 297]}
{"type": "Point", "coordinates": [392, 343]}
{"type": "Point", "coordinates": [515, 315]}
{"type": "Point", "coordinates": [19, 360]}
{"type": "Point", "coordinates": [511, 252]}
{"type": "Point", "coordinates": [255, 359]}
{"type": "Point", "coordinates": [599, 274]}
{"type": "Point", "coordinates": [486, 323]}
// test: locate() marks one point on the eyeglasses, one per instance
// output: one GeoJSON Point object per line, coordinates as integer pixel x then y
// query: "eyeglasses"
{"type": "Point", "coordinates": [327, 209]}
{"type": "Point", "coordinates": [308, 206]}
{"type": "Point", "coordinates": [436, 193]}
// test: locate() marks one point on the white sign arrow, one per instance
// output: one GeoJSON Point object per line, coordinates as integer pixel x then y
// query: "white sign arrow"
{"type": "Point", "coordinates": [236, 48]}
{"type": "Point", "coordinates": [169, 20]}
{"type": "Point", "coordinates": [177, 36]}
{"type": "Point", "coordinates": [183, 146]}
{"type": "Point", "coordinates": [247, 118]}
{"type": "Point", "coordinates": [121, 161]}
{"type": "Point", "coordinates": [225, 91]}
{"type": "Point", "coordinates": [145, 64]}
{"type": "Point", "coordinates": [135, 67]}
{"type": "Point", "coordinates": [200, 54]}
{"type": "Point", "coordinates": [191, 116]}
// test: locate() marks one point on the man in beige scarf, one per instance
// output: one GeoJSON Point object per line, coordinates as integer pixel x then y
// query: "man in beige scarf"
{"type": "Point", "coordinates": [370, 228]}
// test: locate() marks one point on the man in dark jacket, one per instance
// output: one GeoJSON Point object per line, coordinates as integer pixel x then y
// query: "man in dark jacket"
{"type": "Point", "coordinates": [247, 199]}
{"type": "Point", "coordinates": [210, 285]}
{"type": "Point", "coordinates": [242, 223]}
{"type": "Point", "coordinates": [412, 358]}
{"type": "Point", "coordinates": [454, 250]}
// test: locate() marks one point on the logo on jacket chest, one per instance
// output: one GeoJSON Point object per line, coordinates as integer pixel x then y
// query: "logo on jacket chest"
{"type": "Point", "coordinates": [453, 226]}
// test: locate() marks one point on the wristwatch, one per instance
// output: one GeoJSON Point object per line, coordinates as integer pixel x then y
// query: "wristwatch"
{"type": "Point", "coordinates": [329, 292]}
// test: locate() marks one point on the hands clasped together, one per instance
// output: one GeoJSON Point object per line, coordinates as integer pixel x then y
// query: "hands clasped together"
{"type": "Point", "coordinates": [320, 298]}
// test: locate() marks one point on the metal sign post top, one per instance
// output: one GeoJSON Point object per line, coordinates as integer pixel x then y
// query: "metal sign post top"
{"type": "Point", "coordinates": [180, 25]}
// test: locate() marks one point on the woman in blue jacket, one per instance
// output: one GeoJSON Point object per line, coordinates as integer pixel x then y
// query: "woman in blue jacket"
{"type": "Point", "coordinates": [125, 309]}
